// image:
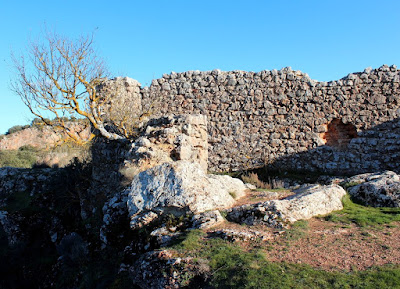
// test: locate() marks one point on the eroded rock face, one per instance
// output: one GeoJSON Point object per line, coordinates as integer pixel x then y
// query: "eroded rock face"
{"type": "Point", "coordinates": [309, 201]}
{"type": "Point", "coordinates": [42, 137]}
{"type": "Point", "coordinates": [179, 188]}
{"type": "Point", "coordinates": [376, 189]}
{"type": "Point", "coordinates": [168, 139]}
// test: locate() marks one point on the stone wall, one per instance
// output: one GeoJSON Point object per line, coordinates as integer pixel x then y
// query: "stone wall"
{"type": "Point", "coordinates": [286, 120]}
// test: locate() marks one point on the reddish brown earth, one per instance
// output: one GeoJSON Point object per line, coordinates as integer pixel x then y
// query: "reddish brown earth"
{"type": "Point", "coordinates": [330, 246]}
{"type": "Point", "coordinates": [327, 245]}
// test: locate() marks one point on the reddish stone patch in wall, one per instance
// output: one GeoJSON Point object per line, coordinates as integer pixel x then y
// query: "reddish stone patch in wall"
{"type": "Point", "coordinates": [338, 134]}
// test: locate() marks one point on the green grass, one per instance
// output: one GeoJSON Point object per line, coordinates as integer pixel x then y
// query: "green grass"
{"type": "Point", "coordinates": [28, 156]}
{"type": "Point", "coordinates": [297, 231]}
{"type": "Point", "coordinates": [349, 184]}
{"type": "Point", "coordinates": [363, 216]}
{"type": "Point", "coordinates": [232, 267]}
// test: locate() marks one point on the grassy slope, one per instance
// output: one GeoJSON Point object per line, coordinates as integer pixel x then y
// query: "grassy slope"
{"type": "Point", "coordinates": [363, 216]}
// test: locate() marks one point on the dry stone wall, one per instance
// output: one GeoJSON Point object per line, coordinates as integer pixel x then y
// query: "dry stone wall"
{"type": "Point", "coordinates": [286, 120]}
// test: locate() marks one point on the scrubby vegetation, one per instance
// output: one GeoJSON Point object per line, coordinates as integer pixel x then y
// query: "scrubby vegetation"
{"type": "Point", "coordinates": [30, 157]}
{"type": "Point", "coordinates": [38, 123]}
{"type": "Point", "coordinates": [25, 157]}
{"type": "Point", "coordinates": [269, 183]}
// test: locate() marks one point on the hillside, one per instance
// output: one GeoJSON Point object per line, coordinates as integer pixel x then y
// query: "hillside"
{"type": "Point", "coordinates": [40, 145]}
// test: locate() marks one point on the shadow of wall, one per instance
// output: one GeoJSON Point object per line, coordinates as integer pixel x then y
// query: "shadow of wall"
{"type": "Point", "coordinates": [374, 149]}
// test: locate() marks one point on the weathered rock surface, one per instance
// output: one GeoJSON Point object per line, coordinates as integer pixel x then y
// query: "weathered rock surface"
{"type": "Point", "coordinates": [376, 189]}
{"type": "Point", "coordinates": [120, 100]}
{"type": "Point", "coordinates": [168, 139]}
{"type": "Point", "coordinates": [309, 201]}
{"type": "Point", "coordinates": [159, 270]}
{"type": "Point", "coordinates": [236, 235]}
{"type": "Point", "coordinates": [41, 137]}
{"type": "Point", "coordinates": [207, 219]}
{"type": "Point", "coordinates": [178, 188]}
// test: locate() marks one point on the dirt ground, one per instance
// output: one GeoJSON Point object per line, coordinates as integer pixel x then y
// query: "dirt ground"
{"type": "Point", "coordinates": [322, 244]}
{"type": "Point", "coordinates": [327, 245]}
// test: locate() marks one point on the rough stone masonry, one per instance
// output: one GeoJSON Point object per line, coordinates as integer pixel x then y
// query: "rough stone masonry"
{"type": "Point", "coordinates": [284, 119]}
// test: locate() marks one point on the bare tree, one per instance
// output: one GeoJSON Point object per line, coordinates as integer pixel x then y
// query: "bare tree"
{"type": "Point", "coordinates": [60, 76]}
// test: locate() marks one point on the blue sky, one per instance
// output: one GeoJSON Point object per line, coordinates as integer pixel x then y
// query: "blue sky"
{"type": "Point", "coordinates": [144, 39]}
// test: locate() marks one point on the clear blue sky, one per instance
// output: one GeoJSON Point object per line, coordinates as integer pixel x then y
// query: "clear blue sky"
{"type": "Point", "coordinates": [144, 39]}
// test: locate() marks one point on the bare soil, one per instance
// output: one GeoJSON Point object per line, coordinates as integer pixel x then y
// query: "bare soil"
{"type": "Point", "coordinates": [327, 245]}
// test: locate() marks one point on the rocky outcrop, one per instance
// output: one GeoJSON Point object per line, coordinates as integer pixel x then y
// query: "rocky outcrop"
{"type": "Point", "coordinates": [160, 269]}
{"type": "Point", "coordinates": [41, 137]}
{"type": "Point", "coordinates": [179, 188]}
{"type": "Point", "coordinates": [164, 140]}
{"type": "Point", "coordinates": [309, 201]}
{"type": "Point", "coordinates": [376, 189]}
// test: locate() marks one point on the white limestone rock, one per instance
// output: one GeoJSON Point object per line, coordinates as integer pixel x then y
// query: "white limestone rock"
{"type": "Point", "coordinates": [376, 189]}
{"type": "Point", "coordinates": [309, 201]}
{"type": "Point", "coordinates": [179, 188]}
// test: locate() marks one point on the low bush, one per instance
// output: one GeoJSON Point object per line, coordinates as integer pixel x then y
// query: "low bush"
{"type": "Point", "coordinates": [16, 128]}
{"type": "Point", "coordinates": [271, 183]}
{"type": "Point", "coordinates": [17, 158]}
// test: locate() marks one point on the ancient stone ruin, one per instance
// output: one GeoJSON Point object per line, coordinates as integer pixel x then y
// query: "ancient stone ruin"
{"type": "Point", "coordinates": [286, 120]}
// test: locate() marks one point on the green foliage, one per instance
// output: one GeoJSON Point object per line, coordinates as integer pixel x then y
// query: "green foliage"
{"type": "Point", "coordinates": [191, 241]}
{"type": "Point", "coordinates": [349, 184]}
{"type": "Point", "coordinates": [363, 216]}
{"type": "Point", "coordinates": [232, 267]}
{"type": "Point", "coordinates": [23, 158]}
{"type": "Point", "coordinates": [16, 128]}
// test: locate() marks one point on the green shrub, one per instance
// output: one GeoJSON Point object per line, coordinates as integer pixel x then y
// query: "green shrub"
{"type": "Point", "coordinates": [17, 159]}
{"type": "Point", "coordinates": [16, 128]}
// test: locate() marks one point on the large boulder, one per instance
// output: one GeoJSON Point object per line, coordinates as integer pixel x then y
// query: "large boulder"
{"type": "Point", "coordinates": [179, 188]}
{"type": "Point", "coordinates": [376, 189]}
{"type": "Point", "coordinates": [308, 201]}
